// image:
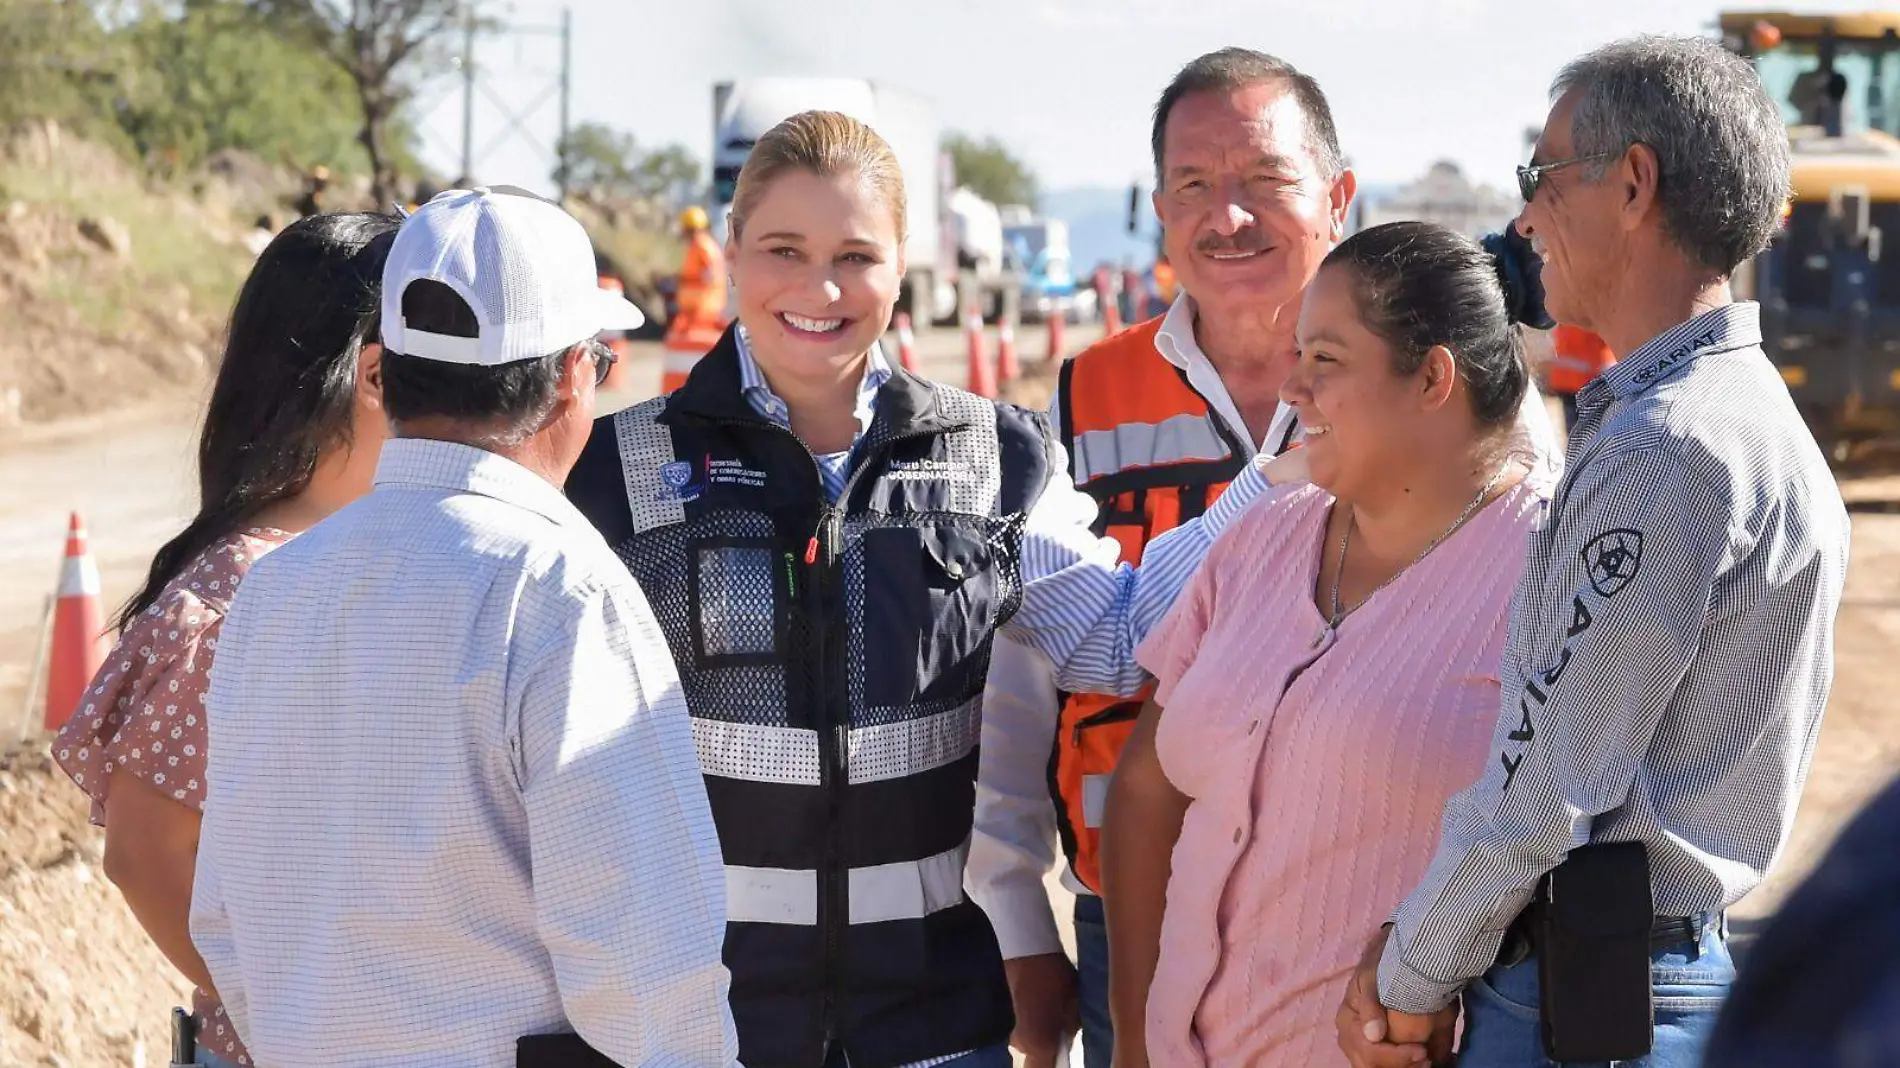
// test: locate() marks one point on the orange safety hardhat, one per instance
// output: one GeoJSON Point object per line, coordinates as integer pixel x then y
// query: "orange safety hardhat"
{"type": "Point", "coordinates": [694, 218]}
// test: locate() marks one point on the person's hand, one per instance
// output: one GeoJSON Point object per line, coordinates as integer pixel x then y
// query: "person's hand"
{"type": "Point", "coordinates": [1048, 1012]}
{"type": "Point", "coordinates": [1287, 468]}
{"type": "Point", "coordinates": [1367, 1035]}
{"type": "Point", "coordinates": [1436, 1032]}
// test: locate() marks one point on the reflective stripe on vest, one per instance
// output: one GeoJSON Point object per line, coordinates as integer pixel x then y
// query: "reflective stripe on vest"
{"type": "Point", "coordinates": [1132, 446]}
{"type": "Point", "coordinates": [1579, 356]}
{"type": "Point", "coordinates": [1094, 799]}
{"type": "Point", "coordinates": [905, 890]}
{"type": "Point", "coordinates": [789, 755]}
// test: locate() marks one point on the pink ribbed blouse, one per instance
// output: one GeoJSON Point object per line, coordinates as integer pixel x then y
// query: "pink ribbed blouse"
{"type": "Point", "coordinates": [1318, 774]}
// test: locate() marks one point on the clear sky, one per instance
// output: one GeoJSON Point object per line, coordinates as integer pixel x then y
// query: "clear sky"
{"type": "Point", "coordinates": [1068, 84]}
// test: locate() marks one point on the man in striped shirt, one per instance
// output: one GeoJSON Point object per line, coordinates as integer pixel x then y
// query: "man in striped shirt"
{"type": "Point", "coordinates": [1671, 638]}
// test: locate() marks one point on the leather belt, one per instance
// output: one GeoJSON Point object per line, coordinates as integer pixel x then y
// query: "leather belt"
{"type": "Point", "coordinates": [1520, 941]}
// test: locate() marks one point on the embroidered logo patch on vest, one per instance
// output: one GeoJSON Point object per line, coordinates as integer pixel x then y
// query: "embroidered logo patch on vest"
{"type": "Point", "coordinates": [676, 482]}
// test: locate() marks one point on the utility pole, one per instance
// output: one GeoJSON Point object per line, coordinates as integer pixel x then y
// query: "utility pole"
{"type": "Point", "coordinates": [468, 95]}
{"type": "Point", "coordinates": [516, 108]}
{"type": "Point", "coordinates": [567, 82]}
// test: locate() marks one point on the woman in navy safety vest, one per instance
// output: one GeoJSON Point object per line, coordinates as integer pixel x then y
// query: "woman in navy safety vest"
{"type": "Point", "coordinates": [831, 544]}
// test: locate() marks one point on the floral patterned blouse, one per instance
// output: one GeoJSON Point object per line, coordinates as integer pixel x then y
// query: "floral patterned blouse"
{"type": "Point", "coordinates": [145, 710]}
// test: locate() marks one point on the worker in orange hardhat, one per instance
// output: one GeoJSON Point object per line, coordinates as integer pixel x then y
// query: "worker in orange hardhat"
{"type": "Point", "coordinates": [702, 281]}
{"type": "Point", "coordinates": [701, 297]}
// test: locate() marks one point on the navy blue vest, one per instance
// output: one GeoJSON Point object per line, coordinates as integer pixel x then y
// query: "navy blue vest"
{"type": "Point", "coordinates": [833, 659]}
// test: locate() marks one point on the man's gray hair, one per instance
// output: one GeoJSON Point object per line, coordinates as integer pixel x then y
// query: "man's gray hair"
{"type": "Point", "coordinates": [1719, 138]}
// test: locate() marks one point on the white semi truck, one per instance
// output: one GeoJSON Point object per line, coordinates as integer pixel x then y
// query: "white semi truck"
{"type": "Point", "coordinates": [744, 110]}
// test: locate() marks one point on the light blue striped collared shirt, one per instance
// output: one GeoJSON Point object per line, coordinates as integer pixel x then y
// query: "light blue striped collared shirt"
{"type": "Point", "coordinates": [833, 467]}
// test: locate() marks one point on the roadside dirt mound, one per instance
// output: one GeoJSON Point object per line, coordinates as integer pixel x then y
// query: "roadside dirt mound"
{"type": "Point", "coordinates": [113, 288]}
{"type": "Point", "coordinates": [84, 987]}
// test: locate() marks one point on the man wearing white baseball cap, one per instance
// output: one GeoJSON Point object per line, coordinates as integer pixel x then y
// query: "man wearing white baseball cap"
{"type": "Point", "coordinates": [455, 816]}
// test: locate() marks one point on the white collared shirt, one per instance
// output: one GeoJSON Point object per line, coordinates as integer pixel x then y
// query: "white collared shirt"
{"type": "Point", "coordinates": [453, 796]}
{"type": "Point", "coordinates": [1015, 843]}
{"type": "Point", "coordinates": [1177, 344]}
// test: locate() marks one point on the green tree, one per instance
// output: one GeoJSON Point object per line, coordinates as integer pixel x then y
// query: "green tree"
{"type": "Point", "coordinates": [989, 169]}
{"type": "Point", "coordinates": [217, 77]}
{"type": "Point", "coordinates": [607, 163]}
{"type": "Point", "coordinates": [669, 175]}
{"type": "Point", "coordinates": [58, 62]}
{"type": "Point", "coordinates": [386, 48]}
{"type": "Point", "coordinates": [599, 159]}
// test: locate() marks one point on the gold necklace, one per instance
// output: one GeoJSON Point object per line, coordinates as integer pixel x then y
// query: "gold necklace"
{"type": "Point", "coordinates": [1345, 542]}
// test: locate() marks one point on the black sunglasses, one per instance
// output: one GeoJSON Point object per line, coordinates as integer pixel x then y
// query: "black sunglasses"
{"type": "Point", "coordinates": [604, 358]}
{"type": "Point", "coordinates": [1530, 176]}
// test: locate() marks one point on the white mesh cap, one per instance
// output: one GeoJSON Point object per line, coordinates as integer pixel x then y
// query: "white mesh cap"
{"type": "Point", "coordinates": [525, 267]}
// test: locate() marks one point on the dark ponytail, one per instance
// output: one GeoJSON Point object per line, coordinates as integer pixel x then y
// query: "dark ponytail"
{"type": "Point", "coordinates": [1419, 285]}
{"type": "Point", "coordinates": [285, 383]}
{"type": "Point", "coordinates": [1521, 272]}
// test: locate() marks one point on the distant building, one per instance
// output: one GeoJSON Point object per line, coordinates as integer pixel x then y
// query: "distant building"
{"type": "Point", "coordinates": [1444, 196]}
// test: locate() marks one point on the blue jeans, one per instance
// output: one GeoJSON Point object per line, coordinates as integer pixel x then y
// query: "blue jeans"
{"type": "Point", "coordinates": [1691, 980]}
{"type": "Point", "coordinates": [208, 1059]}
{"type": "Point", "coordinates": [1091, 981]}
{"type": "Point", "coordinates": [989, 1057]}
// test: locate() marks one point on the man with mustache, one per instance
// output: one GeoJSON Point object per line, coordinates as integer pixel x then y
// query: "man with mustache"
{"type": "Point", "coordinates": [1252, 191]}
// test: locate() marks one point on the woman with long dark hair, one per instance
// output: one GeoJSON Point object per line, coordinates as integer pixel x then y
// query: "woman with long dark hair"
{"type": "Point", "coordinates": [292, 433]}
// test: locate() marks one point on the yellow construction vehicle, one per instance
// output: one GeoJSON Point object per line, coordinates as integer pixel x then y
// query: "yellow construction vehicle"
{"type": "Point", "coordinates": [1830, 297]}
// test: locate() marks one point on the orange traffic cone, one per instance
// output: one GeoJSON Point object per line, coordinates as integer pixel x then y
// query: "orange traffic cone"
{"type": "Point", "coordinates": [1007, 369]}
{"type": "Point", "coordinates": [80, 641]}
{"type": "Point", "coordinates": [906, 343]}
{"type": "Point", "coordinates": [687, 339]}
{"type": "Point", "coordinates": [982, 374]}
{"type": "Point", "coordinates": [1056, 328]}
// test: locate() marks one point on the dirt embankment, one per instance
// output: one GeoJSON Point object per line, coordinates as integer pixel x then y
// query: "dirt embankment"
{"type": "Point", "coordinates": [113, 286]}
{"type": "Point", "coordinates": [84, 987]}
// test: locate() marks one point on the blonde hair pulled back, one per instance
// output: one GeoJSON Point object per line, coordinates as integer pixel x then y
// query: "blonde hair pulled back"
{"type": "Point", "coordinates": [826, 144]}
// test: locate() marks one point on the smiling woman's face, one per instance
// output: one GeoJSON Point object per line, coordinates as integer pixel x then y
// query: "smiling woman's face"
{"type": "Point", "coordinates": [816, 267]}
{"type": "Point", "coordinates": [1359, 417]}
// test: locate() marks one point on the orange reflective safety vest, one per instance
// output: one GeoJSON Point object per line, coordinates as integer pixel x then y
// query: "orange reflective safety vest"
{"type": "Point", "coordinates": [1580, 357]}
{"type": "Point", "coordinates": [1152, 453]}
{"type": "Point", "coordinates": [701, 319]}
{"type": "Point", "coordinates": [702, 281]}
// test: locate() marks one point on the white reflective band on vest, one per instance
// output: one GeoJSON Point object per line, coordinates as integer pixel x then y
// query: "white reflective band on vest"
{"type": "Point", "coordinates": [1176, 439]}
{"type": "Point", "coordinates": [786, 755]}
{"type": "Point", "coordinates": [789, 755]}
{"type": "Point", "coordinates": [914, 746]}
{"type": "Point", "coordinates": [1094, 799]}
{"type": "Point", "coordinates": [907, 890]}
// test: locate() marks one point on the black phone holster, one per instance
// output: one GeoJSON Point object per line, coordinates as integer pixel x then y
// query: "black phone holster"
{"type": "Point", "coordinates": [558, 1051]}
{"type": "Point", "coordinates": [1592, 920]}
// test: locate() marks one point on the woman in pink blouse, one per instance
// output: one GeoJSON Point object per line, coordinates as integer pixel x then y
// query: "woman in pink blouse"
{"type": "Point", "coordinates": [1330, 676]}
{"type": "Point", "coordinates": [292, 433]}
